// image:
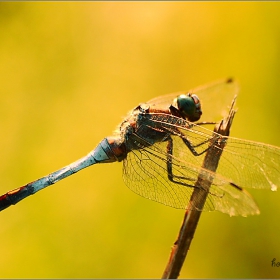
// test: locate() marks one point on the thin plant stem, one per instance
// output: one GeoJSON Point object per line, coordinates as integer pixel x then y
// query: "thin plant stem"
{"type": "Point", "coordinates": [182, 244]}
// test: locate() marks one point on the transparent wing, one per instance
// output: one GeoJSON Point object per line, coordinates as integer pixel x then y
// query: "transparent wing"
{"type": "Point", "coordinates": [251, 164]}
{"type": "Point", "coordinates": [243, 163]}
{"type": "Point", "coordinates": [222, 92]}
{"type": "Point", "coordinates": [145, 173]}
{"type": "Point", "coordinates": [247, 163]}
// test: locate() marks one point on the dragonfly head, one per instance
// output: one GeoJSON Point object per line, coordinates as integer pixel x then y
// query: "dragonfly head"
{"type": "Point", "coordinates": [189, 106]}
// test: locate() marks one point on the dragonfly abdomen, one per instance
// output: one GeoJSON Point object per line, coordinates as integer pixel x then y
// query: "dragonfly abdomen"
{"type": "Point", "coordinates": [110, 149]}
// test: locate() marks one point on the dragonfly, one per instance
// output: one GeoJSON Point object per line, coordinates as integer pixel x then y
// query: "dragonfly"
{"type": "Point", "coordinates": [162, 144]}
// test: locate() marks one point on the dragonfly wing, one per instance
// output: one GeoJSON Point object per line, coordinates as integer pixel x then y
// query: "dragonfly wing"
{"type": "Point", "coordinates": [246, 163]}
{"type": "Point", "coordinates": [224, 196]}
{"type": "Point", "coordinates": [234, 201]}
{"type": "Point", "coordinates": [251, 164]}
{"type": "Point", "coordinates": [145, 173]}
{"type": "Point", "coordinates": [222, 92]}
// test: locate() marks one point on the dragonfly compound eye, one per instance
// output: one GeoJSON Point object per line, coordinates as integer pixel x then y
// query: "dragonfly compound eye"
{"type": "Point", "coordinates": [189, 106]}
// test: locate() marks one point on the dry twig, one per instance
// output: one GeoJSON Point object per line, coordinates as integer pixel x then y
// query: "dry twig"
{"type": "Point", "coordinates": [198, 198]}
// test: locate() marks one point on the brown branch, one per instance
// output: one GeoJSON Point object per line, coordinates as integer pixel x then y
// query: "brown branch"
{"type": "Point", "coordinates": [197, 201]}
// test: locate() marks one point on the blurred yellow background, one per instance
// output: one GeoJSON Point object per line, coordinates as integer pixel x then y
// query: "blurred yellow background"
{"type": "Point", "coordinates": [69, 73]}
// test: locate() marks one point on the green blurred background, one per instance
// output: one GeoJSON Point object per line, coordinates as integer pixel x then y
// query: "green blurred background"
{"type": "Point", "coordinates": [69, 73]}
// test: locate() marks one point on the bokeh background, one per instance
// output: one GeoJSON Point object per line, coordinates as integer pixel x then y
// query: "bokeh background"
{"type": "Point", "coordinates": [69, 73]}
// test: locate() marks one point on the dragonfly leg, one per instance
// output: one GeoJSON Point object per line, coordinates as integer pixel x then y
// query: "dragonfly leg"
{"type": "Point", "coordinates": [174, 178]}
{"type": "Point", "coordinates": [178, 179]}
{"type": "Point", "coordinates": [188, 143]}
{"type": "Point", "coordinates": [192, 147]}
